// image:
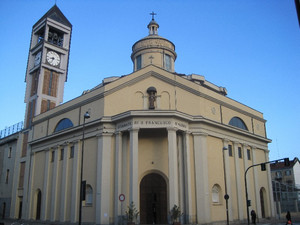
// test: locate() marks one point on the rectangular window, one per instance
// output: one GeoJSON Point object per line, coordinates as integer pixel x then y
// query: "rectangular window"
{"type": "Point", "coordinates": [72, 152]}
{"type": "Point", "coordinates": [7, 176]}
{"type": "Point", "coordinates": [62, 154]}
{"type": "Point", "coordinates": [278, 174]}
{"type": "Point", "coordinates": [9, 152]}
{"type": "Point", "coordinates": [52, 156]}
{"type": "Point", "coordinates": [22, 173]}
{"type": "Point", "coordinates": [24, 145]}
{"type": "Point", "coordinates": [230, 150]}
{"type": "Point", "coordinates": [240, 152]}
{"type": "Point", "coordinates": [248, 154]}
{"type": "Point", "coordinates": [138, 62]}
{"type": "Point", "coordinates": [168, 62]}
{"type": "Point", "coordinates": [288, 173]}
{"type": "Point", "coordinates": [34, 83]}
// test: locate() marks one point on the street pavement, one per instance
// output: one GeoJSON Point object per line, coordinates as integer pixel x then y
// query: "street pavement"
{"type": "Point", "coordinates": [282, 221]}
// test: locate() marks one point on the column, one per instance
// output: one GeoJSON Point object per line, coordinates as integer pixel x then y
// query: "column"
{"type": "Point", "coordinates": [187, 176]}
{"type": "Point", "coordinates": [238, 181]}
{"type": "Point", "coordinates": [53, 215]}
{"type": "Point", "coordinates": [181, 172]}
{"type": "Point", "coordinates": [133, 168]}
{"type": "Point", "coordinates": [64, 183]}
{"type": "Point", "coordinates": [201, 178]}
{"type": "Point", "coordinates": [45, 191]}
{"type": "Point", "coordinates": [125, 171]}
{"type": "Point", "coordinates": [173, 168]}
{"type": "Point", "coordinates": [103, 188]}
{"type": "Point", "coordinates": [228, 178]}
{"type": "Point", "coordinates": [75, 183]}
{"type": "Point", "coordinates": [118, 177]}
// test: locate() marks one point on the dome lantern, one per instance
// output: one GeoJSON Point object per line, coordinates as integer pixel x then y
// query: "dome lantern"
{"type": "Point", "coordinates": [153, 50]}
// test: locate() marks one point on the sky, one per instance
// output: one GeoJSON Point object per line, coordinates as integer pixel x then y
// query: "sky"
{"type": "Point", "coordinates": [250, 47]}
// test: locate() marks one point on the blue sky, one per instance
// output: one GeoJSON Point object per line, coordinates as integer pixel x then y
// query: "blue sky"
{"type": "Point", "coordinates": [250, 47]}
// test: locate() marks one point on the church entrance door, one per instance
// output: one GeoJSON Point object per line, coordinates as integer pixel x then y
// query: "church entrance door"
{"type": "Point", "coordinates": [153, 199]}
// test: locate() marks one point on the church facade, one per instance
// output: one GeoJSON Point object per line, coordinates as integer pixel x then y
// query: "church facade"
{"type": "Point", "coordinates": [153, 137]}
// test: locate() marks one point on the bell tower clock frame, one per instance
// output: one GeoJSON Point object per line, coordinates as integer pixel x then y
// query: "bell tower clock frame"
{"type": "Point", "coordinates": [47, 65]}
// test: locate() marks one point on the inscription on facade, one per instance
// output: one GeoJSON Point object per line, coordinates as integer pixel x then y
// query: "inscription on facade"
{"type": "Point", "coordinates": [152, 123]}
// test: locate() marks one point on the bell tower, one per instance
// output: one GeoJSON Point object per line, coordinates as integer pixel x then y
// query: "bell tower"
{"type": "Point", "coordinates": [47, 65]}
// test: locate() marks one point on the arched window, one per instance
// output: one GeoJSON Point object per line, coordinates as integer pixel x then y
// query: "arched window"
{"type": "Point", "coordinates": [237, 122]}
{"type": "Point", "coordinates": [63, 124]}
{"type": "Point", "coordinates": [215, 194]}
{"type": "Point", "coordinates": [88, 195]}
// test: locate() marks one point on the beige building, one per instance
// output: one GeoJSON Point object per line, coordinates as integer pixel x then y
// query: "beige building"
{"type": "Point", "coordinates": [153, 136]}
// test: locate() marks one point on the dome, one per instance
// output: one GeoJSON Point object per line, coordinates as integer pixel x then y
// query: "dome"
{"type": "Point", "coordinates": [153, 50]}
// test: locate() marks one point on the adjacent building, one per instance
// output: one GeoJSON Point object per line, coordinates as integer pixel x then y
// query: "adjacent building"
{"type": "Point", "coordinates": [287, 174]}
{"type": "Point", "coordinates": [8, 149]}
{"type": "Point", "coordinates": [153, 137]}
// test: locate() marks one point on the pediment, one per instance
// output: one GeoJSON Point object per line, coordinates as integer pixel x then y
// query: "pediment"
{"type": "Point", "coordinates": [168, 78]}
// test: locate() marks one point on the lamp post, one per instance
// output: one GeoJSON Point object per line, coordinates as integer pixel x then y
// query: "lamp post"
{"type": "Point", "coordinates": [226, 196]}
{"type": "Point", "coordinates": [85, 116]}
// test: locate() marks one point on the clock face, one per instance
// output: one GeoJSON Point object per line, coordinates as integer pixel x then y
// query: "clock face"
{"type": "Point", "coordinates": [37, 58]}
{"type": "Point", "coordinates": [53, 58]}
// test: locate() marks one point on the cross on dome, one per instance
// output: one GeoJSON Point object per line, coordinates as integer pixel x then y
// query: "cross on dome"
{"type": "Point", "coordinates": [153, 14]}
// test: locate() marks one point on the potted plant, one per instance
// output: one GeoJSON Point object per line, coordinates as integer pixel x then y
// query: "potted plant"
{"type": "Point", "coordinates": [175, 214]}
{"type": "Point", "coordinates": [131, 214]}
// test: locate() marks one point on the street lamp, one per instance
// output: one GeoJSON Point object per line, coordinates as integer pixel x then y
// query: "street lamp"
{"type": "Point", "coordinates": [226, 196]}
{"type": "Point", "coordinates": [263, 168]}
{"type": "Point", "coordinates": [85, 116]}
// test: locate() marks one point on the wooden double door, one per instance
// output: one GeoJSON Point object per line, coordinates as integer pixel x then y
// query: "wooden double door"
{"type": "Point", "coordinates": [153, 200]}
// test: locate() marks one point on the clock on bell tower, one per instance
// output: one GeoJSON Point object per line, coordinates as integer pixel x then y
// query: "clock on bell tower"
{"type": "Point", "coordinates": [47, 65]}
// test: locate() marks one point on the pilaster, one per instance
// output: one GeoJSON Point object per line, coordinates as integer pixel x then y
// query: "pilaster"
{"type": "Point", "coordinates": [75, 183]}
{"type": "Point", "coordinates": [53, 215]}
{"type": "Point", "coordinates": [45, 191]}
{"type": "Point", "coordinates": [269, 188]}
{"type": "Point", "coordinates": [238, 182]}
{"type": "Point", "coordinates": [256, 184]}
{"type": "Point", "coordinates": [64, 184]}
{"type": "Point", "coordinates": [228, 177]}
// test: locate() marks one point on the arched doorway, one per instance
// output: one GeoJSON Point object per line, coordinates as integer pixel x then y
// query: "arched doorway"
{"type": "Point", "coordinates": [153, 200]}
{"type": "Point", "coordinates": [262, 194]}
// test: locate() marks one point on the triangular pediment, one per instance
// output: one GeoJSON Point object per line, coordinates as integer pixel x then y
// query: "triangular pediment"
{"type": "Point", "coordinates": [155, 72]}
